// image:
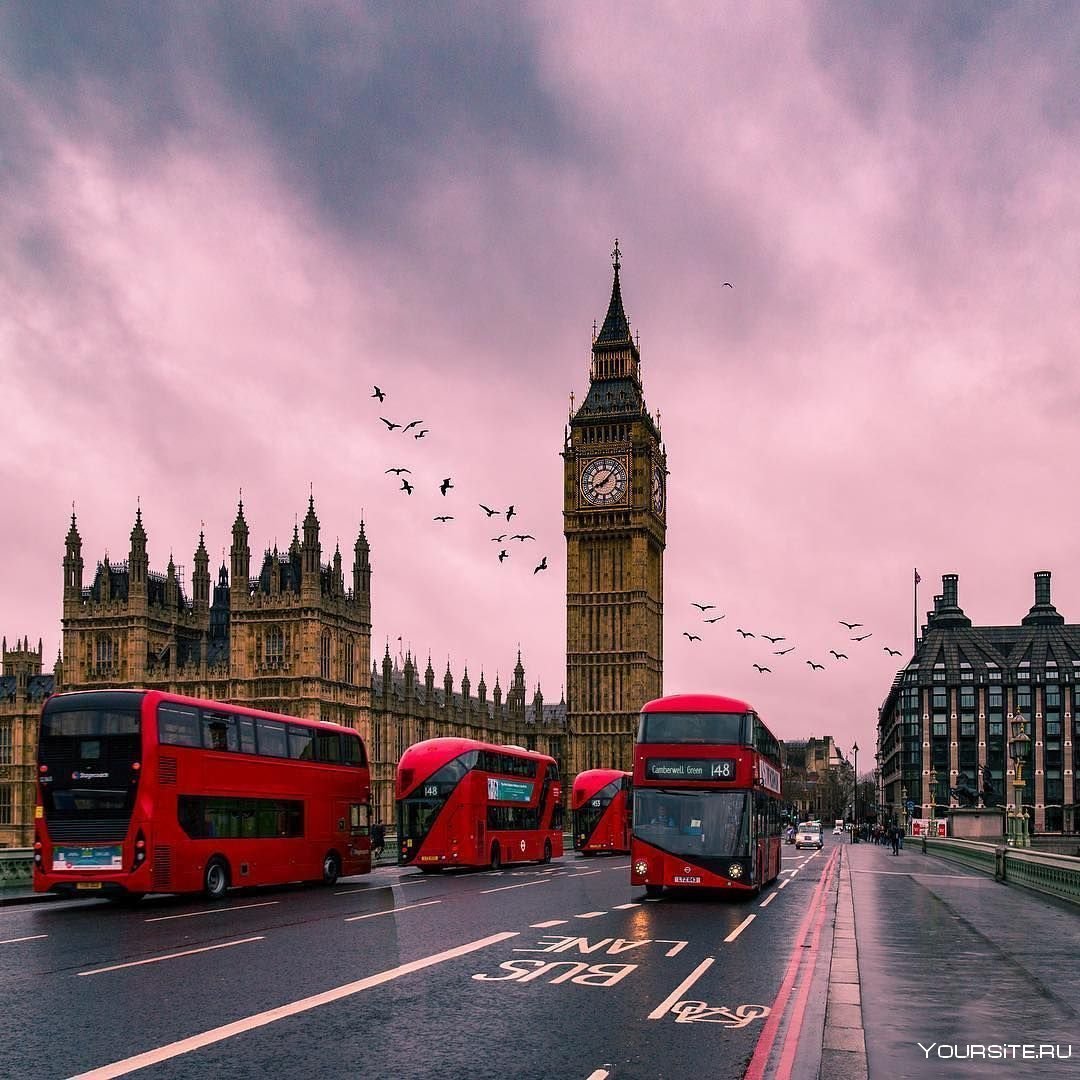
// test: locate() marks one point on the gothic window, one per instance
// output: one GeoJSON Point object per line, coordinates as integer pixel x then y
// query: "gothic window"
{"type": "Point", "coordinates": [7, 804]}
{"type": "Point", "coordinates": [5, 742]}
{"type": "Point", "coordinates": [104, 654]}
{"type": "Point", "coordinates": [324, 655]}
{"type": "Point", "coordinates": [350, 662]}
{"type": "Point", "coordinates": [275, 646]}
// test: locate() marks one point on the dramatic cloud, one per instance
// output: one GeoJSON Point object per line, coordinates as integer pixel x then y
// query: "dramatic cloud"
{"type": "Point", "coordinates": [221, 224]}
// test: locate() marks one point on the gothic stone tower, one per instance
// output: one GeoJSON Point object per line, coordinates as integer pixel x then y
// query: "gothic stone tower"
{"type": "Point", "coordinates": [614, 520]}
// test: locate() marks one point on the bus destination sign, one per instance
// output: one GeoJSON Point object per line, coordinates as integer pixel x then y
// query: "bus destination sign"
{"type": "Point", "coordinates": [690, 769]}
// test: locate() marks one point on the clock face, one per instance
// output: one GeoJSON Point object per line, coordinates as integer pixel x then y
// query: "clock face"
{"type": "Point", "coordinates": [658, 490]}
{"type": "Point", "coordinates": [603, 481]}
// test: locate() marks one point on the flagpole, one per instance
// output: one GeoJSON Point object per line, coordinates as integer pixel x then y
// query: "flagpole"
{"type": "Point", "coordinates": [915, 613]}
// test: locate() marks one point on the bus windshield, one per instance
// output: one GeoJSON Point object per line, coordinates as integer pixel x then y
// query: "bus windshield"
{"type": "Point", "coordinates": [665, 727]}
{"type": "Point", "coordinates": [693, 823]}
{"type": "Point", "coordinates": [417, 812]}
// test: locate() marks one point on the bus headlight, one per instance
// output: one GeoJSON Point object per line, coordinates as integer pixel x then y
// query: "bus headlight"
{"type": "Point", "coordinates": [735, 871]}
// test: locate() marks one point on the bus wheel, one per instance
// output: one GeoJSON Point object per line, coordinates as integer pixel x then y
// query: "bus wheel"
{"type": "Point", "coordinates": [653, 890]}
{"type": "Point", "coordinates": [496, 857]}
{"type": "Point", "coordinates": [331, 868]}
{"type": "Point", "coordinates": [547, 852]}
{"type": "Point", "coordinates": [215, 878]}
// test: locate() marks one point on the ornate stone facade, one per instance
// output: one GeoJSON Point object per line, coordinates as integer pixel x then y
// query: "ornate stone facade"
{"type": "Point", "coordinates": [614, 515]}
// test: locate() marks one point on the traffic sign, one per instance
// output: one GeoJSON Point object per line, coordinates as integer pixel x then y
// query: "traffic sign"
{"type": "Point", "coordinates": [909, 805]}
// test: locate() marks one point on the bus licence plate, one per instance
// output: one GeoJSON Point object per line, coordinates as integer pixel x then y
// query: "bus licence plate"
{"type": "Point", "coordinates": [87, 884]}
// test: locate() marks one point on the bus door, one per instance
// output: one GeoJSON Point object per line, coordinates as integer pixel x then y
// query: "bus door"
{"type": "Point", "coordinates": [359, 817]}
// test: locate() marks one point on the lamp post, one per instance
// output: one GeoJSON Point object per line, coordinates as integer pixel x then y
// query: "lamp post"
{"type": "Point", "coordinates": [903, 810]}
{"type": "Point", "coordinates": [933, 801]}
{"type": "Point", "coordinates": [855, 796]}
{"type": "Point", "coordinates": [1019, 748]}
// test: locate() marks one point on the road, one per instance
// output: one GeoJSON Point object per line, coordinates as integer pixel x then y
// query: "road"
{"type": "Point", "coordinates": [535, 971]}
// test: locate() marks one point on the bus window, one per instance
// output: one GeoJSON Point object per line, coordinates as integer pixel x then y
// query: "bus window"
{"type": "Point", "coordinates": [301, 743]}
{"type": "Point", "coordinates": [329, 746]}
{"type": "Point", "coordinates": [219, 732]}
{"type": "Point", "coordinates": [247, 735]}
{"type": "Point", "coordinates": [178, 725]}
{"type": "Point", "coordinates": [272, 738]}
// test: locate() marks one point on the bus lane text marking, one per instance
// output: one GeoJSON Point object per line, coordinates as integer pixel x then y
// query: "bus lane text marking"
{"type": "Point", "coordinates": [393, 910]}
{"type": "Point", "coordinates": [238, 1027]}
{"type": "Point", "coordinates": [172, 956]}
{"type": "Point", "coordinates": [665, 1006]}
{"type": "Point", "coordinates": [212, 911]}
{"type": "Point", "coordinates": [558, 943]}
{"type": "Point", "coordinates": [582, 973]}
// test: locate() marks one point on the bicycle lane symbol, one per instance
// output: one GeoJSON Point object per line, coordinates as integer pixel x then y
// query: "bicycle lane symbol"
{"type": "Point", "coordinates": [691, 1012]}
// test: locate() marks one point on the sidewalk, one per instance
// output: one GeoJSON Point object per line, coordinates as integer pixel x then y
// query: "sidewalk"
{"type": "Point", "coordinates": [926, 951]}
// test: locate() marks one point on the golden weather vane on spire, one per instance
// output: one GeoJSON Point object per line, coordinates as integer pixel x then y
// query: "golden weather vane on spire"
{"type": "Point", "coordinates": [616, 260]}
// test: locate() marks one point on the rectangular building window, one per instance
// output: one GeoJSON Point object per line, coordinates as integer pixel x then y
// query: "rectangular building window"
{"type": "Point", "coordinates": [350, 662]}
{"type": "Point", "coordinates": [1023, 697]}
{"type": "Point", "coordinates": [941, 697]}
{"type": "Point", "coordinates": [967, 697]}
{"type": "Point", "coordinates": [993, 675]}
{"type": "Point", "coordinates": [5, 742]}
{"type": "Point", "coordinates": [941, 727]}
{"type": "Point", "coordinates": [994, 698]}
{"type": "Point", "coordinates": [1053, 695]}
{"type": "Point", "coordinates": [967, 727]}
{"type": "Point", "coordinates": [995, 726]}
{"type": "Point", "coordinates": [324, 657]}
{"type": "Point", "coordinates": [7, 804]}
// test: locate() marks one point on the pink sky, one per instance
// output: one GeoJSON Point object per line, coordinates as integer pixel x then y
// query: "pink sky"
{"type": "Point", "coordinates": [219, 228]}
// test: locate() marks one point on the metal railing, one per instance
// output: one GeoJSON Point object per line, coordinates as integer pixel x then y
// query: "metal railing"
{"type": "Point", "coordinates": [1056, 875]}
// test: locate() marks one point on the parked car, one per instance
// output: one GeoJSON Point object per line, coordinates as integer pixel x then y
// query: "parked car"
{"type": "Point", "coordinates": [808, 835]}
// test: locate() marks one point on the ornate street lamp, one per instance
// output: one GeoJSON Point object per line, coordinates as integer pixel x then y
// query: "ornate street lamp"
{"type": "Point", "coordinates": [933, 801]}
{"type": "Point", "coordinates": [1019, 749]}
{"type": "Point", "coordinates": [855, 797]}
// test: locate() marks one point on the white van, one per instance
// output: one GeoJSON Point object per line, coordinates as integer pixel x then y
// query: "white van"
{"type": "Point", "coordinates": [808, 835]}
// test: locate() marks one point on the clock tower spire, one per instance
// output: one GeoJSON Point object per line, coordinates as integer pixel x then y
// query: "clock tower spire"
{"type": "Point", "coordinates": [614, 521]}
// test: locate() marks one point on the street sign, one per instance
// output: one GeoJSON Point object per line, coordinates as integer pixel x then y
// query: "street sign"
{"type": "Point", "coordinates": [909, 805]}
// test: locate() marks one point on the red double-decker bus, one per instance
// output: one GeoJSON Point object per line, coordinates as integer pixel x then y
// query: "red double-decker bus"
{"type": "Point", "coordinates": [142, 791]}
{"type": "Point", "coordinates": [600, 804]}
{"type": "Point", "coordinates": [467, 803]}
{"type": "Point", "coordinates": [707, 796]}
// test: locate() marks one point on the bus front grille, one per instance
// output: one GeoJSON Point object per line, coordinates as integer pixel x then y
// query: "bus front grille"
{"type": "Point", "coordinates": [162, 877]}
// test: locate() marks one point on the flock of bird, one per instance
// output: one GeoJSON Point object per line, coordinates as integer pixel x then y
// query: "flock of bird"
{"type": "Point", "coordinates": [402, 473]}
{"type": "Point", "coordinates": [776, 639]}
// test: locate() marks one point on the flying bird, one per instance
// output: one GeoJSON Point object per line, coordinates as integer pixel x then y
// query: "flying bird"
{"type": "Point", "coordinates": [703, 607]}
{"type": "Point", "coordinates": [487, 510]}
{"type": "Point", "coordinates": [745, 633]}
{"type": "Point", "coordinates": [411, 424]}
{"type": "Point", "coordinates": [445, 485]}
{"type": "Point", "coordinates": [523, 537]}
{"type": "Point", "coordinates": [406, 486]}
{"type": "Point", "coordinates": [380, 394]}
{"type": "Point", "coordinates": [399, 470]}
{"type": "Point", "coordinates": [850, 625]}
{"type": "Point", "coordinates": [692, 637]}
{"type": "Point", "coordinates": [510, 513]}
{"type": "Point", "coordinates": [774, 640]}
{"type": "Point", "coordinates": [892, 652]}
{"type": "Point", "coordinates": [729, 285]}
{"type": "Point", "coordinates": [816, 667]}
{"type": "Point", "coordinates": [784, 652]}
{"type": "Point", "coordinates": [444, 517]}
{"type": "Point", "coordinates": [499, 539]}
{"type": "Point", "coordinates": [389, 423]}
{"type": "Point", "coordinates": [542, 566]}
{"type": "Point", "coordinates": [421, 433]}
{"type": "Point", "coordinates": [862, 638]}
{"type": "Point", "coordinates": [762, 670]}
{"type": "Point", "coordinates": [838, 655]}
{"type": "Point", "coordinates": [716, 618]}
{"type": "Point", "coordinates": [504, 554]}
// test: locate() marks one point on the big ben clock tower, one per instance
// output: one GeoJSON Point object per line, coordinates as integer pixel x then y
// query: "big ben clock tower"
{"type": "Point", "coordinates": [614, 520]}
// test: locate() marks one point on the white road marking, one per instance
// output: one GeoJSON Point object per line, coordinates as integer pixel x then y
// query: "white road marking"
{"type": "Point", "coordinates": [13, 940]}
{"type": "Point", "coordinates": [392, 911]}
{"type": "Point", "coordinates": [624, 907]}
{"type": "Point", "coordinates": [588, 873]}
{"type": "Point", "coordinates": [740, 928]}
{"type": "Point", "coordinates": [590, 915]}
{"type": "Point", "coordinates": [172, 956]}
{"type": "Point", "coordinates": [366, 888]}
{"type": "Point", "coordinates": [768, 899]}
{"type": "Point", "coordinates": [523, 885]}
{"type": "Point", "coordinates": [550, 922]}
{"type": "Point", "coordinates": [212, 911]}
{"type": "Point", "coordinates": [238, 1027]}
{"type": "Point", "coordinates": [785, 884]}
{"type": "Point", "coordinates": [676, 995]}
{"type": "Point", "coordinates": [652, 899]}
{"type": "Point", "coordinates": [599, 1074]}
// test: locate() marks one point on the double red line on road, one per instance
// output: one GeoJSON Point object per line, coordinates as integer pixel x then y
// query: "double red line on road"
{"type": "Point", "coordinates": [815, 916]}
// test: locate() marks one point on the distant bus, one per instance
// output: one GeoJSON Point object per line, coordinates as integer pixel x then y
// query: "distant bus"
{"type": "Point", "coordinates": [467, 803]}
{"type": "Point", "coordinates": [143, 791]}
{"type": "Point", "coordinates": [599, 802]}
{"type": "Point", "coordinates": [707, 801]}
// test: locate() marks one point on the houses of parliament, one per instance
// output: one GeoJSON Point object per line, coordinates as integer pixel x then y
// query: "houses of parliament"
{"type": "Point", "coordinates": [292, 633]}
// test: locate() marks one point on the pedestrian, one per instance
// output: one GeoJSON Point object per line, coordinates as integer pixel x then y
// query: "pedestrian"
{"type": "Point", "coordinates": [895, 831]}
